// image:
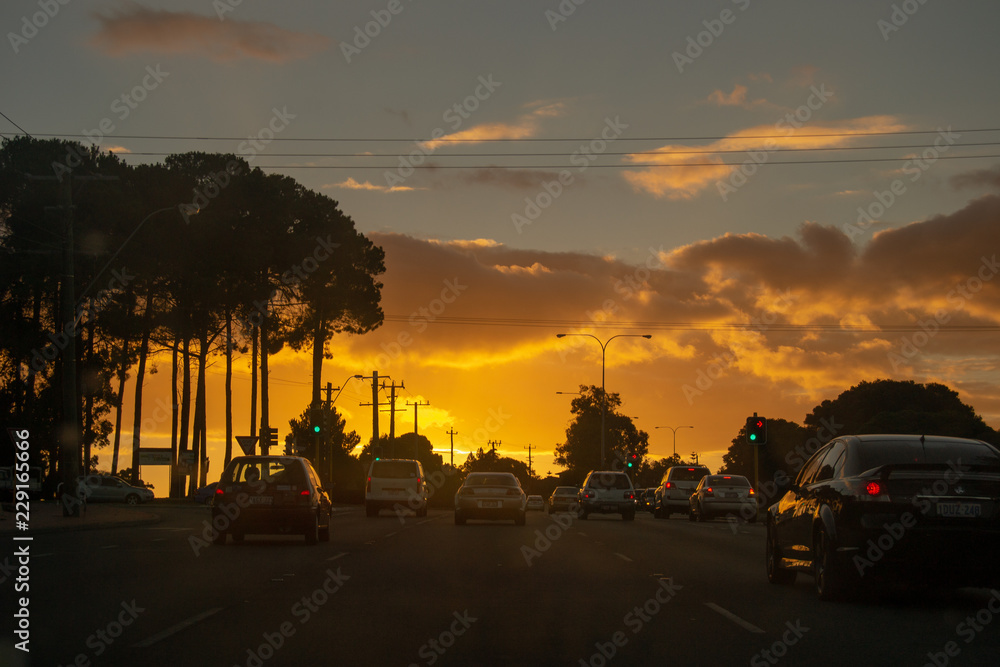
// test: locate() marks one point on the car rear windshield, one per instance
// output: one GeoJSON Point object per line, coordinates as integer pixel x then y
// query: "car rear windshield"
{"type": "Point", "coordinates": [609, 481]}
{"type": "Point", "coordinates": [272, 471]}
{"type": "Point", "coordinates": [725, 480]}
{"type": "Point", "coordinates": [565, 491]}
{"type": "Point", "coordinates": [491, 480]}
{"type": "Point", "coordinates": [687, 474]}
{"type": "Point", "coordinates": [879, 453]}
{"type": "Point", "coordinates": [394, 469]}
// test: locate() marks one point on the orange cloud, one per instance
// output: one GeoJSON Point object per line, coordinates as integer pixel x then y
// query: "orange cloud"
{"type": "Point", "coordinates": [352, 184]}
{"type": "Point", "coordinates": [694, 168]}
{"type": "Point", "coordinates": [526, 126]}
{"type": "Point", "coordinates": [137, 29]}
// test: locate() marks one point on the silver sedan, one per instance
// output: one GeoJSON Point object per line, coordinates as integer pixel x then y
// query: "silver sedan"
{"type": "Point", "coordinates": [490, 495]}
{"type": "Point", "coordinates": [720, 495]}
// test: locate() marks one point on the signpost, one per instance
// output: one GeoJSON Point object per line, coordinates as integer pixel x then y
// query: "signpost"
{"type": "Point", "coordinates": [248, 443]}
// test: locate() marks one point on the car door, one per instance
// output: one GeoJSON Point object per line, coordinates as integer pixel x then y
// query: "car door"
{"type": "Point", "coordinates": [794, 518]}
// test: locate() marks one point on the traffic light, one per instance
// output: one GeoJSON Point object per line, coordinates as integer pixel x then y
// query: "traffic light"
{"type": "Point", "coordinates": [633, 460]}
{"type": "Point", "coordinates": [756, 430]}
{"type": "Point", "coordinates": [317, 428]}
{"type": "Point", "coordinates": [377, 451]}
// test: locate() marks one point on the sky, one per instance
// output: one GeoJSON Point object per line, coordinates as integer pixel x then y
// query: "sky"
{"type": "Point", "coordinates": [789, 197]}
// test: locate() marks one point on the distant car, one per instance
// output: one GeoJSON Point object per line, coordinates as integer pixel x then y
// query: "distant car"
{"type": "Point", "coordinates": [108, 489]}
{"type": "Point", "coordinates": [535, 503]}
{"type": "Point", "coordinates": [395, 484]}
{"type": "Point", "coordinates": [867, 508]}
{"type": "Point", "coordinates": [490, 495]}
{"type": "Point", "coordinates": [607, 492]}
{"type": "Point", "coordinates": [674, 492]}
{"type": "Point", "coordinates": [271, 495]}
{"type": "Point", "coordinates": [205, 494]}
{"type": "Point", "coordinates": [562, 498]}
{"type": "Point", "coordinates": [649, 500]}
{"type": "Point", "coordinates": [720, 495]}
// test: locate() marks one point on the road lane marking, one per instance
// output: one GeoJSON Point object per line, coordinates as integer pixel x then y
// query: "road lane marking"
{"type": "Point", "coordinates": [746, 625]}
{"type": "Point", "coordinates": [395, 532]}
{"type": "Point", "coordinates": [177, 628]}
{"type": "Point", "coordinates": [340, 555]}
{"type": "Point", "coordinates": [110, 546]}
{"type": "Point", "coordinates": [623, 557]}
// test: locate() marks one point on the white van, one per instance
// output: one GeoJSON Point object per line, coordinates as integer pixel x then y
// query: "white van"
{"type": "Point", "coordinates": [396, 484]}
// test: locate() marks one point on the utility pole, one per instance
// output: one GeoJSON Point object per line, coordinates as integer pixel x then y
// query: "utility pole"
{"type": "Point", "coordinates": [529, 448]}
{"type": "Point", "coordinates": [392, 415]}
{"type": "Point", "coordinates": [374, 409]}
{"type": "Point", "coordinates": [415, 431]}
{"type": "Point", "coordinates": [453, 433]}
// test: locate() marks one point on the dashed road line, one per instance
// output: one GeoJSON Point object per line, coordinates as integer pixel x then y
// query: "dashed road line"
{"type": "Point", "coordinates": [177, 628]}
{"type": "Point", "coordinates": [746, 625]}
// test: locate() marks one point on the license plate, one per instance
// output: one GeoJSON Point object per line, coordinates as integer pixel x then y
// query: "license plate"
{"type": "Point", "coordinates": [608, 508]}
{"type": "Point", "coordinates": [261, 500]}
{"type": "Point", "coordinates": [959, 509]}
{"type": "Point", "coordinates": [732, 494]}
{"type": "Point", "coordinates": [394, 492]}
{"type": "Point", "coordinates": [489, 504]}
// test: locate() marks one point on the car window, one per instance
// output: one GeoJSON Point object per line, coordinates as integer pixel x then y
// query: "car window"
{"type": "Point", "coordinates": [491, 480]}
{"type": "Point", "coordinates": [394, 469]}
{"type": "Point", "coordinates": [882, 452]}
{"type": "Point", "coordinates": [808, 473]}
{"type": "Point", "coordinates": [725, 480]}
{"type": "Point", "coordinates": [828, 465]}
{"type": "Point", "coordinates": [685, 474]}
{"type": "Point", "coordinates": [609, 481]}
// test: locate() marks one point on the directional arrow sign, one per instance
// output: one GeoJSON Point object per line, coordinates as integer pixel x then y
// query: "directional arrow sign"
{"type": "Point", "coordinates": [248, 443]}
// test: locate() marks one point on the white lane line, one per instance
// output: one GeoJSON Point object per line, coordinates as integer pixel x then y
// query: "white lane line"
{"type": "Point", "coordinates": [110, 546]}
{"type": "Point", "coordinates": [176, 628]}
{"type": "Point", "coordinates": [746, 625]}
{"type": "Point", "coordinates": [395, 532]}
{"type": "Point", "coordinates": [623, 557]}
{"type": "Point", "coordinates": [340, 555]}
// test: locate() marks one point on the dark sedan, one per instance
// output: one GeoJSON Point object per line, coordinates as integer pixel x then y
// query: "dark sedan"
{"type": "Point", "coordinates": [889, 507]}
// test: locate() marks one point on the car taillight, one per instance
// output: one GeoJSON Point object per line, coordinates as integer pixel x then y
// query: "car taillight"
{"type": "Point", "coordinates": [668, 485]}
{"type": "Point", "coordinates": [305, 492]}
{"type": "Point", "coordinates": [751, 491]}
{"type": "Point", "coordinates": [873, 488]}
{"type": "Point", "coordinates": [368, 486]}
{"type": "Point", "coordinates": [219, 491]}
{"type": "Point", "coordinates": [629, 495]}
{"type": "Point", "coordinates": [589, 494]}
{"type": "Point", "coordinates": [709, 491]}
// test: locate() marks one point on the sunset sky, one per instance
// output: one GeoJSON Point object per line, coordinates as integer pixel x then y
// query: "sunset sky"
{"type": "Point", "coordinates": [766, 286]}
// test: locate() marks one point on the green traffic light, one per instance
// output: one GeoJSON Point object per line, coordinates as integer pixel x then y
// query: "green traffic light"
{"type": "Point", "coordinates": [315, 429]}
{"type": "Point", "coordinates": [753, 436]}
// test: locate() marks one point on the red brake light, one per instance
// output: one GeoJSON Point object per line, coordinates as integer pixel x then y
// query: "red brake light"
{"type": "Point", "coordinates": [305, 492]}
{"type": "Point", "coordinates": [668, 485]}
{"type": "Point", "coordinates": [219, 491]}
{"type": "Point", "coordinates": [630, 495]}
{"type": "Point", "coordinates": [708, 491]}
{"type": "Point", "coordinates": [368, 486]}
{"type": "Point", "coordinates": [751, 491]}
{"type": "Point", "coordinates": [873, 488]}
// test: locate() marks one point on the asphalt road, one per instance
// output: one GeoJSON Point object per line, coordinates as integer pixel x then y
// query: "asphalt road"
{"type": "Point", "coordinates": [422, 591]}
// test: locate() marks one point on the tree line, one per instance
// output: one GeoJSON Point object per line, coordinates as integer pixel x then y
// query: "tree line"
{"type": "Point", "coordinates": [200, 258]}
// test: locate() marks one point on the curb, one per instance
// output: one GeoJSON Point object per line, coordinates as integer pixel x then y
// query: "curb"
{"type": "Point", "coordinates": [71, 527]}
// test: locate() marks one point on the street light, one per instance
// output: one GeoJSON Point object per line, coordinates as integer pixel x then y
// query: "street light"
{"type": "Point", "coordinates": [674, 430]}
{"type": "Point", "coordinates": [604, 396]}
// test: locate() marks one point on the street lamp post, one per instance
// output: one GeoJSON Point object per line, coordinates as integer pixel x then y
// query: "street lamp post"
{"type": "Point", "coordinates": [674, 431]}
{"type": "Point", "coordinates": [604, 395]}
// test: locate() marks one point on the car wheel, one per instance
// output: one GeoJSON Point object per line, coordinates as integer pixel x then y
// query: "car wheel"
{"type": "Point", "coordinates": [692, 517]}
{"type": "Point", "coordinates": [830, 577]}
{"type": "Point", "coordinates": [584, 514]}
{"type": "Point", "coordinates": [628, 516]}
{"type": "Point", "coordinates": [422, 511]}
{"type": "Point", "coordinates": [220, 538]}
{"type": "Point", "coordinates": [657, 513]}
{"type": "Point", "coordinates": [701, 514]}
{"type": "Point", "coordinates": [459, 519]}
{"type": "Point", "coordinates": [131, 499]}
{"type": "Point", "coordinates": [519, 519]}
{"type": "Point", "coordinates": [312, 532]}
{"type": "Point", "coordinates": [370, 510]}
{"type": "Point", "coordinates": [775, 573]}
{"type": "Point", "coordinates": [324, 532]}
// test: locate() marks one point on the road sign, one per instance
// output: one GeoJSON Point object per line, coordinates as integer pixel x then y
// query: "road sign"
{"type": "Point", "coordinates": [155, 456]}
{"type": "Point", "coordinates": [248, 443]}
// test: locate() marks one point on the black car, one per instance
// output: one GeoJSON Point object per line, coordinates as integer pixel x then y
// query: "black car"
{"type": "Point", "coordinates": [871, 508]}
{"type": "Point", "coordinates": [271, 495]}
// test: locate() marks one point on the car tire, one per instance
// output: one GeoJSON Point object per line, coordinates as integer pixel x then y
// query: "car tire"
{"type": "Point", "coordinates": [312, 531]}
{"type": "Point", "coordinates": [692, 516]}
{"type": "Point", "coordinates": [519, 520]}
{"type": "Point", "coordinates": [657, 513]}
{"type": "Point", "coordinates": [831, 578]}
{"type": "Point", "coordinates": [370, 510]}
{"type": "Point", "coordinates": [628, 516]}
{"type": "Point", "coordinates": [324, 532]}
{"type": "Point", "coordinates": [220, 538]}
{"type": "Point", "coordinates": [772, 557]}
{"type": "Point", "coordinates": [701, 515]}
{"type": "Point", "coordinates": [459, 519]}
{"type": "Point", "coordinates": [131, 499]}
